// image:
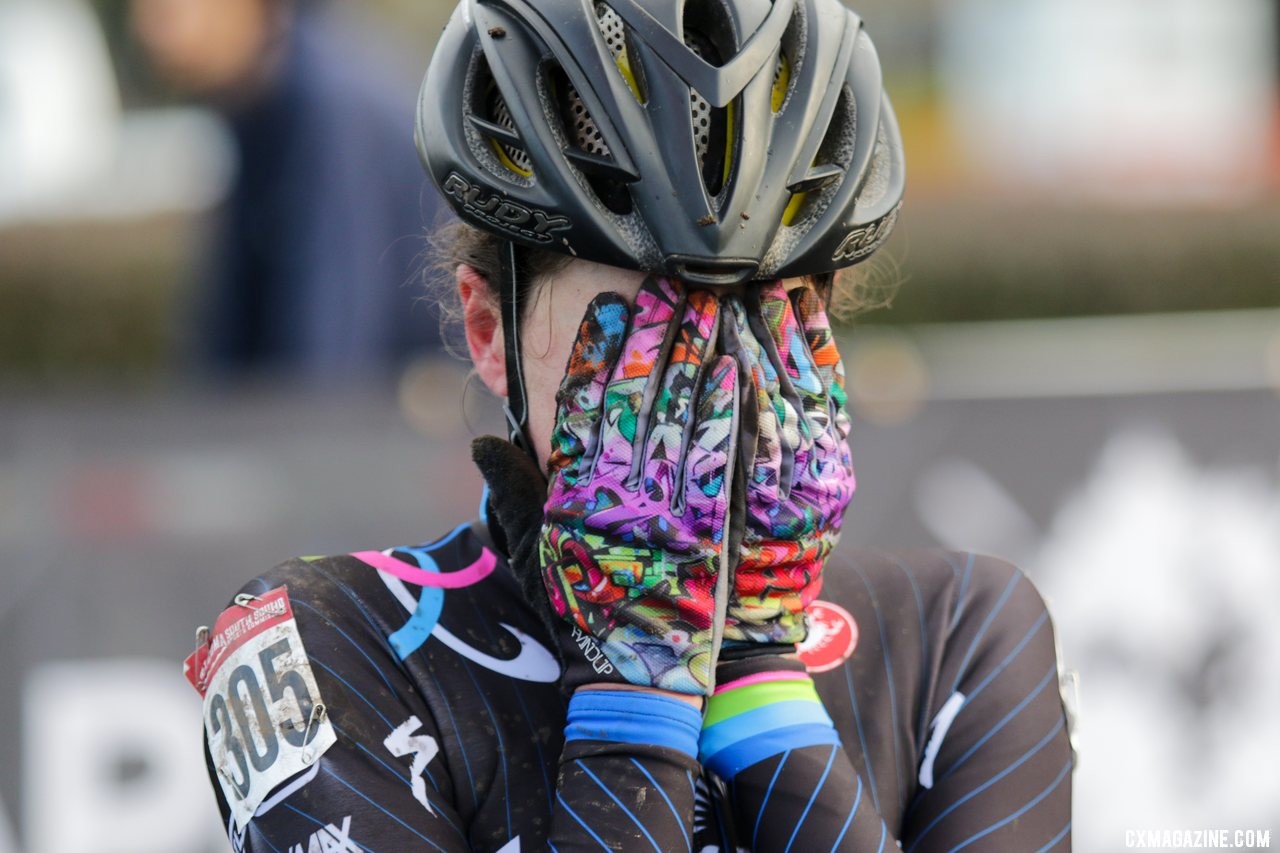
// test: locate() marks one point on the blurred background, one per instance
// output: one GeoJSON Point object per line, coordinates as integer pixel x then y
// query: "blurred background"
{"type": "Point", "coordinates": [218, 350]}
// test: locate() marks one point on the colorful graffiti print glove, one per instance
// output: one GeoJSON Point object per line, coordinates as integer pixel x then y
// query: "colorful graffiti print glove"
{"type": "Point", "coordinates": [631, 548]}
{"type": "Point", "coordinates": [799, 472]}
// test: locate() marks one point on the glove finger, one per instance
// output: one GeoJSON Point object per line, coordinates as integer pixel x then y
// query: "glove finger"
{"type": "Point", "coordinates": [709, 466]}
{"type": "Point", "coordinates": [815, 326]}
{"type": "Point", "coordinates": [579, 401]}
{"type": "Point", "coordinates": [633, 385]}
{"type": "Point", "coordinates": [765, 309]}
{"type": "Point", "coordinates": [812, 315]}
{"type": "Point", "coordinates": [762, 398]}
{"type": "Point", "coordinates": [670, 424]}
{"type": "Point", "coordinates": [796, 362]}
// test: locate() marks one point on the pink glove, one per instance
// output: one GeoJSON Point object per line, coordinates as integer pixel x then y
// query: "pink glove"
{"type": "Point", "coordinates": [800, 478]}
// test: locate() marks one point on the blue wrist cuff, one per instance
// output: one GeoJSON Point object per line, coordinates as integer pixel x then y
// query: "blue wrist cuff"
{"type": "Point", "coordinates": [623, 716]}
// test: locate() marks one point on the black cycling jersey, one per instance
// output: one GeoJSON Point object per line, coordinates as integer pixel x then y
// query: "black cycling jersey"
{"type": "Point", "coordinates": [407, 700]}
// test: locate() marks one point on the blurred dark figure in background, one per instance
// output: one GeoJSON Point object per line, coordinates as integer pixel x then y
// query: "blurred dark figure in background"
{"type": "Point", "coordinates": [318, 253]}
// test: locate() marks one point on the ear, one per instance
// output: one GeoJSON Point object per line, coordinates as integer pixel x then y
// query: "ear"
{"type": "Point", "coordinates": [482, 320]}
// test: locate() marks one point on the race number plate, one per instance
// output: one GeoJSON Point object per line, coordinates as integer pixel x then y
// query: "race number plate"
{"type": "Point", "coordinates": [263, 714]}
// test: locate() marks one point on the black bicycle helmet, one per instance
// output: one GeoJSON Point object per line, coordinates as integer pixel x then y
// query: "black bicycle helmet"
{"type": "Point", "coordinates": [713, 141]}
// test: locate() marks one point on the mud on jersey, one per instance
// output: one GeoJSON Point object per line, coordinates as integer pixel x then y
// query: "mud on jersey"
{"type": "Point", "coordinates": [407, 700]}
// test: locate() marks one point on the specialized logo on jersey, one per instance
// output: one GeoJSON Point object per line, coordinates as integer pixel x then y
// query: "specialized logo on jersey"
{"type": "Point", "coordinates": [534, 662]}
{"type": "Point", "coordinates": [264, 719]}
{"type": "Point", "coordinates": [937, 731]}
{"type": "Point", "coordinates": [833, 635]}
{"type": "Point", "coordinates": [403, 742]}
{"type": "Point", "coordinates": [330, 839]}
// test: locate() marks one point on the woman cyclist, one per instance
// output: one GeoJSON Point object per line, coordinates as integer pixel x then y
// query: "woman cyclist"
{"type": "Point", "coordinates": [655, 201]}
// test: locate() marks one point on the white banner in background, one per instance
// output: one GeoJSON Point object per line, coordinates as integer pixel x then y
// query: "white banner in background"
{"type": "Point", "coordinates": [112, 760]}
{"type": "Point", "coordinates": [1121, 100]}
{"type": "Point", "coordinates": [8, 841]}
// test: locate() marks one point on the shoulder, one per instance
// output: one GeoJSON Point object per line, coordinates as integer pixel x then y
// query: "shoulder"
{"type": "Point", "coordinates": [369, 609]}
{"type": "Point", "coordinates": [926, 574]}
{"type": "Point", "coordinates": [934, 597]}
{"type": "Point", "coordinates": [377, 586]}
{"type": "Point", "coordinates": [329, 656]}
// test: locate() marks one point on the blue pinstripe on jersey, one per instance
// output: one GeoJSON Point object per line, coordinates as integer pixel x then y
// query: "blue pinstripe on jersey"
{"type": "Point", "coordinates": [817, 791]}
{"type": "Point", "coordinates": [755, 833]}
{"type": "Point", "coordinates": [1017, 709]}
{"type": "Point", "coordinates": [965, 577]}
{"type": "Point", "coordinates": [502, 749]}
{"type": "Point", "coordinates": [862, 738]}
{"type": "Point", "coordinates": [379, 807]}
{"type": "Point", "coordinates": [617, 802]}
{"type": "Point", "coordinates": [1022, 644]}
{"type": "Point", "coordinates": [534, 736]}
{"type": "Point", "coordinates": [571, 813]}
{"type": "Point", "coordinates": [348, 638]}
{"type": "Point", "coordinates": [1066, 768]}
{"type": "Point", "coordinates": [857, 798]}
{"type": "Point", "coordinates": [987, 784]}
{"type": "Point", "coordinates": [963, 669]}
{"type": "Point", "coordinates": [922, 716]}
{"type": "Point", "coordinates": [1054, 841]}
{"type": "Point", "coordinates": [889, 680]}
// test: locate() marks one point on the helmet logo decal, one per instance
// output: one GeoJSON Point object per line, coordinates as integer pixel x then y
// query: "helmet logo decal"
{"type": "Point", "coordinates": [862, 241]}
{"type": "Point", "coordinates": [503, 213]}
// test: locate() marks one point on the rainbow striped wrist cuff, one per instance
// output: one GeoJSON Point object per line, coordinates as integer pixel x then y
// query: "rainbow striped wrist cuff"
{"type": "Point", "coordinates": [761, 715]}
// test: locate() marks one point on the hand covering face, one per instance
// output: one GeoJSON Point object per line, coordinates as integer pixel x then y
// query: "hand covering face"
{"type": "Point", "coordinates": [800, 476]}
{"type": "Point", "coordinates": [630, 546]}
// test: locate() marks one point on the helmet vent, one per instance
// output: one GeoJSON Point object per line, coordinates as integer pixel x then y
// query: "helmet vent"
{"type": "Point", "coordinates": [580, 129]}
{"type": "Point", "coordinates": [790, 58]}
{"type": "Point", "coordinates": [614, 32]}
{"type": "Point", "coordinates": [711, 127]}
{"type": "Point", "coordinates": [583, 134]}
{"type": "Point", "coordinates": [781, 82]}
{"type": "Point", "coordinates": [490, 117]}
{"type": "Point", "coordinates": [612, 28]}
{"type": "Point", "coordinates": [837, 143]}
{"type": "Point", "coordinates": [709, 32]}
{"type": "Point", "coordinates": [501, 115]}
{"type": "Point", "coordinates": [699, 107]}
{"type": "Point", "coordinates": [810, 196]}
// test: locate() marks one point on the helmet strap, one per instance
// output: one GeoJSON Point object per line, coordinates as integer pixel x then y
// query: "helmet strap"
{"type": "Point", "coordinates": [512, 290]}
